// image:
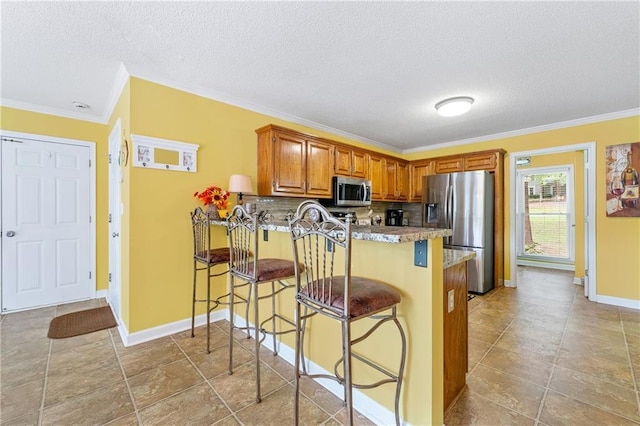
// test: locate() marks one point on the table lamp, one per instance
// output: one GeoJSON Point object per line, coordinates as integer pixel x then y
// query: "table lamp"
{"type": "Point", "coordinates": [240, 184]}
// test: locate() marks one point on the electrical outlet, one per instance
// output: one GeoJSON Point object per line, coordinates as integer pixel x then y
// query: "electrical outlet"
{"type": "Point", "coordinates": [450, 295]}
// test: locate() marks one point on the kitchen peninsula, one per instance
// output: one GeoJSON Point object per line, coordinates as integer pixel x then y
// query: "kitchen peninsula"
{"type": "Point", "coordinates": [387, 254]}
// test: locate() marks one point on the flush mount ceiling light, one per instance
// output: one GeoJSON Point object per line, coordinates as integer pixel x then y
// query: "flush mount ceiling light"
{"type": "Point", "coordinates": [454, 106]}
{"type": "Point", "coordinates": [80, 105]}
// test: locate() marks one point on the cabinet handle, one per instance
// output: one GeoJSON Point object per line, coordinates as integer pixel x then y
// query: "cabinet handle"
{"type": "Point", "coordinates": [304, 186]}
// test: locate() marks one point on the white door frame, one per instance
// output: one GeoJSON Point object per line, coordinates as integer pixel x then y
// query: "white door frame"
{"type": "Point", "coordinates": [589, 152]}
{"type": "Point", "coordinates": [92, 189]}
{"type": "Point", "coordinates": [115, 212]}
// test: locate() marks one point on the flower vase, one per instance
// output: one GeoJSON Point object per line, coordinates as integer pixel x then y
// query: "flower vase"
{"type": "Point", "coordinates": [212, 212]}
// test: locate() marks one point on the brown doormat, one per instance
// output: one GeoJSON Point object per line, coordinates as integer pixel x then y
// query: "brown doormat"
{"type": "Point", "coordinates": [81, 322]}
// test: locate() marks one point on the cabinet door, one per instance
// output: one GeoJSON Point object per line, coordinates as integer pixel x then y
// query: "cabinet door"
{"type": "Point", "coordinates": [416, 173]}
{"type": "Point", "coordinates": [402, 181]}
{"type": "Point", "coordinates": [289, 164]}
{"type": "Point", "coordinates": [389, 187]}
{"type": "Point", "coordinates": [342, 165]}
{"type": "Point", "coordinates": [319, 168]}
{"type": "Point", "coordinates": [376, 176]}
{"type": "Point", "coordinates": [449, 165]}
{"type": "Point", "coordinates": [480, 162]}
{"type": "Point", "coordinates": [359, 162]}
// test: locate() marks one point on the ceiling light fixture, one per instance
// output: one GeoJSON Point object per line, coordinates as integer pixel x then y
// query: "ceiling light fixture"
{"type": "Point", "coordinates": [454, 106]}
{"type": "Point", "coordinates": [80, 105]}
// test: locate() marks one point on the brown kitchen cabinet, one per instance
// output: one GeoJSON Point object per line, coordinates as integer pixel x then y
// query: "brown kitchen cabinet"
{"type": "Point", "coordinates": [418, 170]}
{"type": "Point", "coordinates": [377, 169]}
{"type": "Point", "coordinates": [389, 178]}
{"type": "Point", "coordinates": [455, 323]}
{"type": "Point", "coordinates": [350, 162]}
{"type": "Point", "coordinates": [293, 164]}
{"type": "Point", "coordinates": [449, 165]}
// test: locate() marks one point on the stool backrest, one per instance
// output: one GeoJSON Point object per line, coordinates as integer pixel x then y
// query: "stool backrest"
{"type": "Point", "coordinates": [322, 245]}
{"type": "Point", "coordinates": [201, 225]}
{"type": "Point", "coordinates": [243, 241]}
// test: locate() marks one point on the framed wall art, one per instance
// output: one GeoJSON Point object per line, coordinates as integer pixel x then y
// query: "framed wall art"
{"type": "Point", "coordinates": [622, 189]}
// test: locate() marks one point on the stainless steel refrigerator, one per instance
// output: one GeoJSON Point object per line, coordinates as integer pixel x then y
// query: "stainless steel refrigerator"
{"type": "Point", "coordinates": [463, 202]}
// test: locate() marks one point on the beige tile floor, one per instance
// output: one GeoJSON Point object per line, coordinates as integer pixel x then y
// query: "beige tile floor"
{"type": "Point", "coordinates": [540, 354]}
{"type": "Point", "coordinates": [543, 354]}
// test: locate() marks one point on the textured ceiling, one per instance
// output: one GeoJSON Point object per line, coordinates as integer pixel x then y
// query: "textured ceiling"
{"type": "Point", "coordinates": [373, 70]}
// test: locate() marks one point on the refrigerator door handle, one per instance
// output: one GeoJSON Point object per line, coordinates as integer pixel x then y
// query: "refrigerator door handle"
{"type": "Point", "coordinates": [447, 212]}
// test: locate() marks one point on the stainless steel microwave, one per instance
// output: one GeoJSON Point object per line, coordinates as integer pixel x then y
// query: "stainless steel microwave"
{"type": "Point", "coordinates": [351, 192]}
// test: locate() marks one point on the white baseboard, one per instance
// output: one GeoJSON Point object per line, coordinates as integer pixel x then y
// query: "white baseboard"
{"type": "Point", "coordinates": [370, 408]}
{"type": "Point", "coordinates": [102, 293]}
{"type": "Point", "coordinates": [135, 338]}
{"type": "Point", "coordinates": [577, 281]}
{"type": "Point", "coordinates": [618, 301]}
{"type": "Point", "coordinates": [507, 283]}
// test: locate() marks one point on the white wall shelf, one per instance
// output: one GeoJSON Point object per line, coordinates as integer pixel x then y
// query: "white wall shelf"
{"type": "Point", "coordinates": [145, 151]}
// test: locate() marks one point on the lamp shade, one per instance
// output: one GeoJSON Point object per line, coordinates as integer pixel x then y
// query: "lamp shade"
{"type": "Point", "coordinates": [240, 184]}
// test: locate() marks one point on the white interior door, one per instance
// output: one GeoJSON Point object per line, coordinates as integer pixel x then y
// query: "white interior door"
{"type": "Point", "coordinates": [115, 211]}
{"type": "Point", "coordinates": [46, 223]}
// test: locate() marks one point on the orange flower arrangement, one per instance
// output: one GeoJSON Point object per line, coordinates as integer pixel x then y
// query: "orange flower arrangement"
{"type": "Point", "coordinates": [213, 195]}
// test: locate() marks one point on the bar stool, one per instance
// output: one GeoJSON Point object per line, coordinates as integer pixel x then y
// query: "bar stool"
{"type": "Point", "coordinates": [246, 268]}
{"type": "Point", "coordinates": [327, 288]}
{"type": "Point", "coordinates": [205, 258]}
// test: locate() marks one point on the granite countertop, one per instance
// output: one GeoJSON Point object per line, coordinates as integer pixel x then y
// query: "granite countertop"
{"type": "Point", "coordinates": [453, 257]}
{"type": "Point", "coordinates": [383, 234]}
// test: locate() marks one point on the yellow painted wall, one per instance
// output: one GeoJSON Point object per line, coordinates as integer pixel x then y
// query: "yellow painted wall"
{"type": "Point", "coordinates": [122, 112]}
{"type": "Point", "coordinates": [576, 159]}
{"type": "Point", "coordinates": [50, 125]}
{"type": "Point", "coordinates": [617, 239]}
{"type": "Point", "coordinates": [160, 201]}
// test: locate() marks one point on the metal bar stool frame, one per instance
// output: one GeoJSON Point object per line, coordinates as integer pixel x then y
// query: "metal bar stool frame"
{"type": "Point", "coordinates": [250, 270]}
{"type": "Point", "coordinates": [315, 236]}
{"type": "Point", "coordinates": [208, 257]}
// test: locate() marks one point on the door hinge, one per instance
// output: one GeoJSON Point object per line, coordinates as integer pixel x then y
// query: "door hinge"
{"type": "Point", "coordinates": [89, 163]}
{"type": "Point", "coordinates": [89, 219]}
{"type": "Point", "coordinates": [109, 276]}
{"type": "Point", "coordinates": [109, 158]}
{"type": "Point", "coordinates": [109, 217]}
{"type": "Point", "coordinates": [89, 274]}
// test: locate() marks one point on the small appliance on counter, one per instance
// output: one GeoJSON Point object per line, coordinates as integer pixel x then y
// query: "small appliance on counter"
{"type": "Point", "coordinates": [393, 217]}
{"type": "Point", "coordinates": [342, 215]}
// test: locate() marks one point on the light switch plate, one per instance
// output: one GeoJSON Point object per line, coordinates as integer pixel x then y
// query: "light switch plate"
{"type": "Point", "coordinates": [450, 295]}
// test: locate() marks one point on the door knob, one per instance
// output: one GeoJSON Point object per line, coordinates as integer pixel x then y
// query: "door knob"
{"type": "Point", "coordinates": [10, 234]}
{"type": "Point", "coordinates": [115, 234]}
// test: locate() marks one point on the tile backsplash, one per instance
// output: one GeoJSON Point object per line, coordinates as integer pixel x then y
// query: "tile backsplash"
{"type": "Point", "coordinates": [278, 207]}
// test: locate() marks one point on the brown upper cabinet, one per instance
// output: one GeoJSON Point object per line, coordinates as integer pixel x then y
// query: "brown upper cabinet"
{"type": "Point", "coordinates": [389, 178]}
{"type": "Point", "coordinates": [418, 170]}
{"type": "Point", "coordinates": [350, 162]}
{"type": "Point", "coordinates": [377, 170]}
{"type": "Point", "coordinates": [397, 180]}
{"type": "Point", "coordinates": [293, 164]}
{"type": "Point", "coordinates": [449, 165]}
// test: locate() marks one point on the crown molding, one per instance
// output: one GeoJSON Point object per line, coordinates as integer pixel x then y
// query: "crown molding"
{"type": "Point", "coordinates": [537, 129]}
{"type": "Point", "coordinates": [50, 110]}
{"type": "Point", "coordinates": [242, 103]}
